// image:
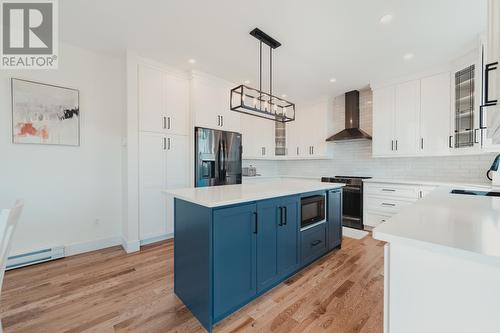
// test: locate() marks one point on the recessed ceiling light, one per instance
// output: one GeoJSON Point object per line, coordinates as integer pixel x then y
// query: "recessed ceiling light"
{"type": "Point", "coordinates": [386, 19]}
{"type": "Point", "coordinates": [247, 81]}
{"type": "Point", "coordinates": [284, 96]}
{"type": "Point", "coordinates": [333, 80]}
{"type": "Point", "coordinates": [408, 56]}
{"type": "Point", "coordinates": [192, 61]}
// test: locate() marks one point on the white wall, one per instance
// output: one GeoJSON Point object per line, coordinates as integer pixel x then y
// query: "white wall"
{"type": "Point", "coordinates": [355, 158]}
{"type": "Point", "coordinates": [72, 194]}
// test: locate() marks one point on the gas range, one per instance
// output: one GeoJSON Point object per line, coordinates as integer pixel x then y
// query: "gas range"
{"type": "Point", "coordinates": [348, 180]}
{"type": "Point", "coordinates": [352, 203]}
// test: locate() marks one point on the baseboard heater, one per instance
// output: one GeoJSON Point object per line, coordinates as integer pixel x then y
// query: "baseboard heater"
{"type": "Point", "coordinates": [35, 257]}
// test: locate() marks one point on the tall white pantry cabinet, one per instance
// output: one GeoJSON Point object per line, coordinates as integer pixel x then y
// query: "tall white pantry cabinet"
{"type": "Point", "coordinates": [163, 103]}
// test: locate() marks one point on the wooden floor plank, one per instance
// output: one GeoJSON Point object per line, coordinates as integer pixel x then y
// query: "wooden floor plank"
{"type": "Point", "coordinates": [111, 291]}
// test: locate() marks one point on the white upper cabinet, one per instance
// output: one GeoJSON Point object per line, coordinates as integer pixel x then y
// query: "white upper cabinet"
{"type": "Point", "coordinates": [210, 104]}
{"type": "Point", "coordinates": [492, 54]}
{"type": "Point", "coordinates": [293, 138]}
{"type": "Point", "coordinates": [163, 101]}
{"type": "Point", "coordinates": [305, 137]}
{"type": "Point", "coordinates": [258, 137]}
{"type": "Point", "coordinates": [152, 117]}
{"type": "Point", "coordinates": [414, 118]}
{"type": "Point", "coordinates": [176, 92]}
{"type": "Point", "coordinates": [383, 121]}
{"type": "Point", "coordinates": [406, 119]}
{"type": "Point", "coordinates": [435, 110]}
{"type": "Point", "coordinates": [314, 130]}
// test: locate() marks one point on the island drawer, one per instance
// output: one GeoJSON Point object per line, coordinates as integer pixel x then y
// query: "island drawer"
{"type": "Point", "coordinates": [313, 243]}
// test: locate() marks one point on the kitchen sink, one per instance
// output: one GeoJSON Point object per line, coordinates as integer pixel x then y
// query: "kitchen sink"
{"type": "Point", "coordinates": [481, 193]}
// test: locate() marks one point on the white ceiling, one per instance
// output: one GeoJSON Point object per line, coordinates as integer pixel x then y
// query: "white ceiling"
{"type": "Point", "coordinates": [321, 38]}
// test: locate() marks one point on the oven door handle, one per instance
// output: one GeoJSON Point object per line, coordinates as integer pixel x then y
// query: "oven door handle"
{"type": "Point", "coordinates": [352, 189]}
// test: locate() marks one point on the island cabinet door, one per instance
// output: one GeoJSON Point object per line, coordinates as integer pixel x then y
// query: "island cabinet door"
{"type": "Point", "coordinates": [267, 243]}
{"type": "Point", "coordinates": [234, 258]}
{"type": "Point", "coordinates": [288, 237]}
{"type": "Point", "coordinates": [334, 218]}
{"type": "Point", "coordinates": [277, 240]}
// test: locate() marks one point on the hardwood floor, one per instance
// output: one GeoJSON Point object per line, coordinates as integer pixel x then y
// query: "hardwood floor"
{"type": "Point", "coordinates": [110, 291]}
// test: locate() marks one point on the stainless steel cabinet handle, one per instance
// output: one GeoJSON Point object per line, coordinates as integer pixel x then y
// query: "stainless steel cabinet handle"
{"type": "Point", "coordinates": [168, 126]}
{"type": "Point", "coordinates": [449, 141]}
{"type": "Point", "coordinates": [164, 122]}
{"type": "Point", "coordinates": [312, 150]}
{"type": "Point", "coordinates": [475, 135]}
{"type": "Point", "coordinates": [388, 190]}
{"type": "Point", "coordinates": [315, 243]}
{"type": "Point", "coordinates": [388, 204]}
{"type": "Point", "coordinates": [168, 146]}
{"type": "Point", "coordinates": [422, 143]}
{"type": "Point", "coordinates": [218, 121]}
{"type": "Point", "coordinates": [392, 145]}
{"type": "Point", "coordinates": [396, 145]}
{"type": "Point", "coordinates": [222, 120]}
{"type": "Point", "coordinates": [164, 143]}
{"type": "Point", "coordinates": [297, 150]}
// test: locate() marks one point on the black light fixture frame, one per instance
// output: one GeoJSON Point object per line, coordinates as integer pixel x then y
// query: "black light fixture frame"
{"type": "Point", "coordinates": [274, 103]}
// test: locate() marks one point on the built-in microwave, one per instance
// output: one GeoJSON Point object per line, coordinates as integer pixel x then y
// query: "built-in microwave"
{"type": "Point", "coordinates": [312, 210]}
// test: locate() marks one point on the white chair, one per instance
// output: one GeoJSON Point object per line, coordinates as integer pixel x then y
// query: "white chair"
{"type": "Point", "coordinates": [8, 223]}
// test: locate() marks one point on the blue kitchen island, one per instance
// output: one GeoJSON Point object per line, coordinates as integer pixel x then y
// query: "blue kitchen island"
{"type": "Point", "coordinates": [235, 242]}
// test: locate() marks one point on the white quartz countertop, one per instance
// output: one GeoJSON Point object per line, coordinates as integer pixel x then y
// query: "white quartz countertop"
{"type": "Point", "coordinates": [425, 182]}
{"type": "Point", "coordinates": [216, 196]}
{"type": "Point", "coordinates": [467, 223]}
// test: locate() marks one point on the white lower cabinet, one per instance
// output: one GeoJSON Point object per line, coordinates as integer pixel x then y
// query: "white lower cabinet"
{"type": "Point", "coordinates": [163, 164]}
{"type": "Point", "coordinates": [381, 200]}
{"type": "Point", "coordinates": [374, 219]}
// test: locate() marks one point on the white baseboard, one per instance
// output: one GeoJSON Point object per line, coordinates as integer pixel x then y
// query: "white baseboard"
{"type": "Point", "coordinates": [131, 246]}
{"type": "Point", "coordinates": [77, 248]}
{"type": "Point", "coordinates": [155, 239]}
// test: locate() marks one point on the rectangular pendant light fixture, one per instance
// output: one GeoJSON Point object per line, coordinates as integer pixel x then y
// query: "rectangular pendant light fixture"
{"type": "Point", "coordinates": [256, 102]}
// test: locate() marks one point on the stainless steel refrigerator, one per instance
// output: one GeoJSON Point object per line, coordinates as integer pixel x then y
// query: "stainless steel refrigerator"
{"type": "Point", "coordinates": [217, 157]}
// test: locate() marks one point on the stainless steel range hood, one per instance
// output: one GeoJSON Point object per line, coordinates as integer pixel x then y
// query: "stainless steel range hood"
{"type": "Point", "coordinates": [352, 130]}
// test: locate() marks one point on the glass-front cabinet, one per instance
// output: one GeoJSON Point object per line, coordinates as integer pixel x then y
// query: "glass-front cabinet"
{"type": "Point", "coordinates": [466, 134]}
{"type": "Point", "coordinates": [464, 107]}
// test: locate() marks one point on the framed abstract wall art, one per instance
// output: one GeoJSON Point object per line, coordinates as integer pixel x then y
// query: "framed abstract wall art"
{"type": "Point", "coordinates": [45, 114]}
